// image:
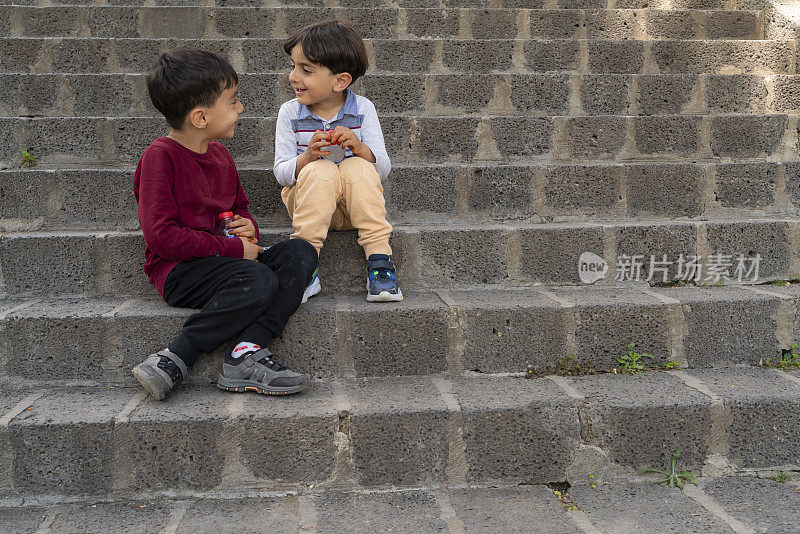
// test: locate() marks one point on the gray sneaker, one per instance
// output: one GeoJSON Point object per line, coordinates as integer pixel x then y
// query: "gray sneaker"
{"type": "Point", "coordinates": [160, 372]}
{"type": "Point", "coordinates": [255, 371]}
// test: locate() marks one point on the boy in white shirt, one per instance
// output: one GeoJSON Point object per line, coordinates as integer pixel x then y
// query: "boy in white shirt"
{"type": "Point", "coordinates": [330, 155]}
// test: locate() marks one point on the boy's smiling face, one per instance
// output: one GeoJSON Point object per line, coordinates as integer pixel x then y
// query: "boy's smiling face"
{"type": "Point", "coordinates": [222, 116]}
{"type": "Point", "coordinates": [314, 85]}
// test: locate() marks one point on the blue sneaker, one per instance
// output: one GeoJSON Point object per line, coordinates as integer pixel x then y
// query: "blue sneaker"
{"type": "Point", "coordinates": [381, 282]}
{"type": "Point", "coordinates": [312, 288]}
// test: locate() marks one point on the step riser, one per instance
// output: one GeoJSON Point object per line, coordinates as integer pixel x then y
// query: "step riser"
{"type": "Point", "coordinates": [219, 22]}
{"type": "Point", "coordinates": [420, 56]}
{"type": "Point", "coordinates": [67, 199]}
{"type": "Point", "coordinates": [430, 95]}
{"type": "Point", "coordinates": [531, 436]}
{"type": "Point", "coordinates": [111, 264]}
{"type": "Point", "coordinates": [414, 140]}
{"type": "Point", "coordinates": [476, 331]}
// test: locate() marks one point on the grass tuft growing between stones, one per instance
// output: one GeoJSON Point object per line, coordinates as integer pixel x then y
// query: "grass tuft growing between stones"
{"type": "Point", "coordinates": [672, 478]}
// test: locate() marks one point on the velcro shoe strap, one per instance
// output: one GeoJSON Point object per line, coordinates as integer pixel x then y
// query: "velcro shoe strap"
{"type": "Point", "coordinates": [177, 361]}
{"type": "Point", "coordinates": [381, 264]}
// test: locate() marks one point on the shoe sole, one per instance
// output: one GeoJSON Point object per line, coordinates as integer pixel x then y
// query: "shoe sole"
{"type": "Point", "coordinates": [151, 381]}
{"type": "Point", "coordinates": [311, 290]}
{"type": "Point", "coordinates": [384, 296]}
{"type": "Point", "coordinates": [245, 386]}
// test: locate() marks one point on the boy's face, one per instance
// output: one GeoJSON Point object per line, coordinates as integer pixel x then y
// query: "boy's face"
{"type": "Point", "coordinates": [222, 116]}
{"type": "Point", "coordinates": [312, 82]}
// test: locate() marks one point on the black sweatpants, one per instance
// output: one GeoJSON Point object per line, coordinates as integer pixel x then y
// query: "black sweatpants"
{"type": "Point", "coordinates": [245, 299]}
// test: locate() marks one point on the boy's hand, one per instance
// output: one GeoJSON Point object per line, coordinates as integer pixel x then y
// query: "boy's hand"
{"type": "Point", "coordinates": [251, 250]}
{"type": "Point", "coordinates": [242, 227]}
{"type": "Point", "coordinates": [317, 144]}
{"type": "Point", "coordinates": [347, 139]}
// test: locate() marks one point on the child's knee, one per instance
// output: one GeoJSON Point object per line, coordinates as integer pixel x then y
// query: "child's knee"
{"type": "Point", "coordinates": [322, 170]}
{"type": "Point", "coordinates": [357, 170]}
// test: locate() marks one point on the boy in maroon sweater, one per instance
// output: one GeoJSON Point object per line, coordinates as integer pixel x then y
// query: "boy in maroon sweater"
{"type": "Point", "coordinates": [183, 182]}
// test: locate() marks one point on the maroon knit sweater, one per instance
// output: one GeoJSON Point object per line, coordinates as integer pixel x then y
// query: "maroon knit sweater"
{"type": "Point", "coordinates": [179, 194]}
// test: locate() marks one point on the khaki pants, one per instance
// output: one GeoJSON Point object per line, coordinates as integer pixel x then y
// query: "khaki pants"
{"type": "Point", "coordinates": [339, 197]}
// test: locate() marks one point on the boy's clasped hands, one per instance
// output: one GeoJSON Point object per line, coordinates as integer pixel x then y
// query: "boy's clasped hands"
{"type": "Point", "coordinates": [341, 136]}
{"type": "Point", "coordinates": [243, 228]}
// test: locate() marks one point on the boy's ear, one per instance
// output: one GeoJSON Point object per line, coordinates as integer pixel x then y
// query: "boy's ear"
{"type": "Point", "coordinates": [343, 81]}
{"type": "Point", "coordinates": [197, 118]}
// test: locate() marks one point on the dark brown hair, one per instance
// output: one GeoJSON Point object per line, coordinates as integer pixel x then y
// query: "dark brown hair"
{"type": "Point", "coordinates": [334, 44]}
{"type": "Point", "coordinates": [184, 78]}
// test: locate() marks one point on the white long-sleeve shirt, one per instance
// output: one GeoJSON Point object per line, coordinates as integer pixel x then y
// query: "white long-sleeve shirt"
{"type": "Point", "coordinates": [296, 125]}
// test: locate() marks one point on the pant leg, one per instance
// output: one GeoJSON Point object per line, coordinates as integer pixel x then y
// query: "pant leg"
{"type": "Point", "coordinates": [312, 201]}
{"type": "Point", "coordinates": [293, 261]}
{"type": "Point", "coordinates": [362, 198]}
{"type": "Point", "coordinates": [230, 292]}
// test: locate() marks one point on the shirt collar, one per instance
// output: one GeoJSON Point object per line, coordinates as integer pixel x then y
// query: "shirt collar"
{"type": "Point", "coordinates": [350, 107]}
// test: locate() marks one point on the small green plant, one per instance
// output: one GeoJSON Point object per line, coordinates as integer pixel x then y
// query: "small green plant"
{"type": "Point", "coordinates": [672, 364]}
{"type": "Point", "coordinates": [28, 159]}
{"type": "Point", "coordinates": [672, 478]}
{"type": "Point", "coordinates": [632, 361]}
{"type": "Point", "coordinates": [789, 360]}
{"type": "Point", "coordinates": [782, 477]}
{"type": "Point", "coordinates": [568, 366]}
{"type": "Point", "coordinates": [566, 501]}
{"type": "Point", "coordinates": [591, 481]}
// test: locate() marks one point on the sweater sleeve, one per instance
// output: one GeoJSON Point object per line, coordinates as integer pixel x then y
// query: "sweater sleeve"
{"type": "Point", "coordinates": [285, 148]}
{"type": "Point", "coordinates": [372, 136]}
{"type": "Point", "coordinates": [158, 216]}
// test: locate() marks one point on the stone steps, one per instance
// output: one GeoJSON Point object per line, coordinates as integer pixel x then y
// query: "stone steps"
{"type": "Point", "coordinates": [587, 56]}
{"type": "Point", "coordinates": [63, 199]}
{"type": "Point", "coordinates": [428, 257]}
{"type": "Point", "coordinates": [95, 342]}
{"type": "Point", "coordinates": [431, 95]}
{"type": "Point", "coordinates": [377, 23]}
{"type": "Point", "coordinates": [385, 433]}
{"type": "Point", "coordinates": [114, 141]}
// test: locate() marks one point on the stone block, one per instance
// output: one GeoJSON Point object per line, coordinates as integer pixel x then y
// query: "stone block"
{"type": "Point", "coordinates": [645, 417]}
{"type": "Point", "coordinates": [69, 140]}
{"type": "Point", "coordinates": [726, 326]}
{"type": "Point", "coordinates": [787, 93]}
{"type": "Point", "coordinates": [502, 191]}
{"type": "Point", "coordinates": [24, 193]}
{"type": "Point", "coordinates": [437, 23]}
{"type": "Point", "coordinates": [132, 136]}
{"type": "Point", "coordinates": [300, 17]}
{"type": "Point", "coordinates": [722, 56]}
{"type": "Point", "coordinates": [654, 242]}
{"type": "Point", "coordinates": [282, 514]}
{"type": "Point", "coordinates": [173, 22]}
{"type": "Point", "coordinates": [178, 443]}
{"type": "Point", "coordinates": [118, 22]}
{"type": "Point", "coordinates": [445, 139]}
{"type": "Point", "coordinates": [522, 137]}
{"type": "Point", "coordinates": [586, 189]}
{"type": "Point", "coordinates": [108, 95]}
{"type": "Point", "coordinates": [401, 55]}
{"type": "Point", "coordinates": [508, 330]}
{"type": "Point", "coordinates": [763, 504]}
{"type": "Point", "coordinates": [253, 142]}
{"type": "Point", "coordinates": [664, 94]}
{"type": "Point", "coordinates": [516, 430]}
{"type": "Point", "coordinates": [29, 95]}
{"type": "Point", "coordinates": [316, 355]}
{"type": "Point", "coordinates": [407, 511]}
{"type": "Point", "coordinates": [397, 135]}
{"type": "Point", "coordinates": [607, 509]}
{"type": "Point", "coordinates": [292, 441]}
{"type": "Point", "coordinates": [670, 24]}
{"type": "Point", "coordinates": [540, 94]}
{"type": "Point", "coordinates": [613, 24]}
{"type": "Point", "coordinates": [33, 264]}
{"type": "Point", "coordinates": [550, 254]}
{"type": "Point", "coordinates": [20, 55]}
{"type": "Point", "coordinates": [264, 194]}
{"type": "Point", "coordinates": [553, 24]}
{"type": "Point", "coordinates": [605, 95]}
{"type": "Point", "coordinates": [552, 56]}
{"type": "Point", "coordinates": [667, 136]}
{"type": "Point", "coordinates": [453, 258]}
{"type": "Point", "coordinates": [371, 24]}
{"type": "Point", "coordinates": [470, 95]}
{"type": "Point", "coordinates": [119, 263]}
{"type": "Point", "coordinates": [510, 510]}
{"type": "Point", "coordinates": [746, 185]}
{"type": "Point", "coordinates": [63, 446]}
{"type": "Point", "coordinates": [56, 340]}
{"type": "Point", "coordinates": [51, 22]}
{"type": "Point", "coordinates": [135, 55]}
{"type": "Point", "coordinates": [484, 56]}
{"type": "Point", "coordinates": [19, 519]}
{"type": "Point", "coordinates": [732, 25]}
{"type": "Point", "coordinates": [616, 57]}
{"type": "Point", "coordinates": [751, 238]}
{"type": "Point", "coordinates": [736, 94]}
{"type": "Point", "coordinates": [594, 137]}
{"type": "Point", "coordinates": [411, 341]}
{"type": "Point", "coordinates": [679, 189]}
{"type": "Point", "coordinates": [136, 516]}
{"type": "Point", "coordinates": [793, 180]}
{"type": "Point", "coordinates": [259, 93]}
{"type": "Point", "coordinates": [493, 23]}
{"type": "Point", "coordinates": [398, 432]}
{"type": "Point", "coordinates": [265, 56]}
{"type": "Point", "coordinates": [396, 94]}
{"type": "Point", "coordinates": [412, 191]}
{"type": "Point", "coordinates": [760, 435]}
{"type": "Point", "coordinates": [244, 23]}
{"type": "Point", "coordinates": [608, 320]}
